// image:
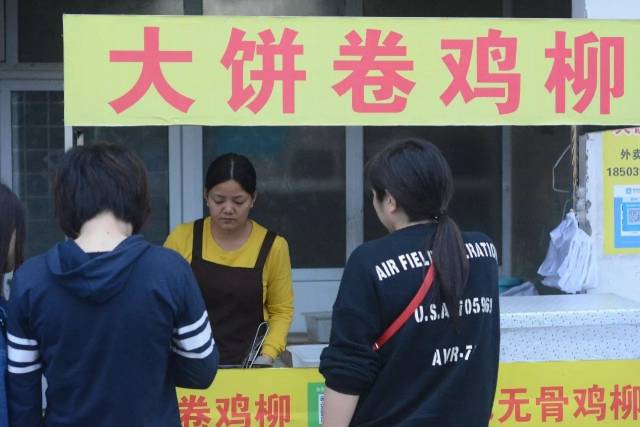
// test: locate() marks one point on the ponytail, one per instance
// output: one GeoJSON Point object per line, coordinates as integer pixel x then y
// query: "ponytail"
{"type": "Point", "coordinates": [451, 263]}
{"type": "Point", "coordinates": [418, 176]}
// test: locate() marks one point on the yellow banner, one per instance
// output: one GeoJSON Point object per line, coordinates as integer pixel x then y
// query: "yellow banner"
{"type": "Point", "coordinates": [575, 393]}
{"type": "Point", "coordinates": [220, 70]}
{"type": "Point", "coordinates": [255, 397]}
{"type": "Point", "coordinates": [621, 203]}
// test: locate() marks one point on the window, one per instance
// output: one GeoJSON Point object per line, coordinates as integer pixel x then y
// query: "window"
{"type": "Point", "coordinates": [466, 8]}
{"type": "Point", "coordinates": [151, 144]}
{"type": "Point", "coordinates": [303, 172]}
{"type": "Point", "coordinates": [275, 8]}
{"type": "Point", "coordinates": [449, 8]}
{"type": "Point", "coordinates": [37, 136]}
{"type": "Point", "coordinates": [475, 157]}
{"type": "Point", "coordinates": [40, 21]}
{"type": "Point", "coordinates": [301, 185]}
{"type": "Point", "coordinates": [537, 209]}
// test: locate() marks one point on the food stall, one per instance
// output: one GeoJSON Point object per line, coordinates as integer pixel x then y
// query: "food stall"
{"type": "Point", "coordinates": [565, 359]}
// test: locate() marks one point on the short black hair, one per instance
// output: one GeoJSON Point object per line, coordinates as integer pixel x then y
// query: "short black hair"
{"type": "Point", "coordinates": [99, 178]}
{"type": "Point", "coordinates": [231, 166]}
{"type": "Point", "coordinates": [12, 219]}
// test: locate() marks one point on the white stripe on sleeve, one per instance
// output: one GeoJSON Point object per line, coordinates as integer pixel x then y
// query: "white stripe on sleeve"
{"type": "Point", "coordinates": [192, 355]}
{"type": "Point", "coordinates": [21, 341]}
{"type": "Point", "coordinates": [195, 341]}
{"type": "Point", "coordinates": [25, 369]}
{"type": "Point", "coordinates": [18, 355]}
{"type": "Point", "coordinates": [193, 326]}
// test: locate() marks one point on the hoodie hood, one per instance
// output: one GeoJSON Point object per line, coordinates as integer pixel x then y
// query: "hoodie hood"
{"type": "Point", "coordinates": [96, 277]}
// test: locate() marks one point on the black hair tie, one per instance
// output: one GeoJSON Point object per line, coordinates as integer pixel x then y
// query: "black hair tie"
{"type": "Point", "coordinates": [437, 216]}
{"type": "Point", "coordinates": [440, 215]}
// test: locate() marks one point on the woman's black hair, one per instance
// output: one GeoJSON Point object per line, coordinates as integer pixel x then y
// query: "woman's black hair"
{"type": "Point", "coordinates": [12, 219]}
{"type": "Point", "coordinates": [231, 166]}
{"type": "Point", "coordinates": [100, 178]}
{"type": "Point", "coordinates": [419, 178]}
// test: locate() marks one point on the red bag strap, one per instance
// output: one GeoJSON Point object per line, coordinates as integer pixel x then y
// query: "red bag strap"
{"type": "Point", "coordinates": [408, 311]}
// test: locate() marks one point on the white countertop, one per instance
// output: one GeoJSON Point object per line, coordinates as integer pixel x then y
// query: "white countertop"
{"type": "Point", "coordinates": [552, 328]}
{"type": "Point", "coordinates": [567, 310]}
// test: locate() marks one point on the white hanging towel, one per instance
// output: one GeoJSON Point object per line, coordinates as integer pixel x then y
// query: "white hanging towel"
{"type": "Point", "coordinates": [570, 264]}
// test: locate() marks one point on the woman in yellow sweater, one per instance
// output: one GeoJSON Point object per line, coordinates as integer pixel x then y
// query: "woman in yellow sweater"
{"type": "Point", "coordinates": [243, 269]}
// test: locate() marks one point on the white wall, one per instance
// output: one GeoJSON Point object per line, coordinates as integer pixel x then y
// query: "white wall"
{"type": "Point", "coordinates": [606, 9]}
{"type": "Point", "coordinates": [618, 274]}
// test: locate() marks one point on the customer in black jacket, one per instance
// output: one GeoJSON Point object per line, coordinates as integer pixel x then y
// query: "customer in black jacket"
{"type": "Point", "coordinates": [441, 367]}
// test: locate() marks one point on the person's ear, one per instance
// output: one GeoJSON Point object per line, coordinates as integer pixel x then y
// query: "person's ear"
{"type": "Point", "coordinates": [206, 199]}
{"type": "Point", "coordinates": [390, 203]}
{"type": "Point", "coordinates": [253, 198]}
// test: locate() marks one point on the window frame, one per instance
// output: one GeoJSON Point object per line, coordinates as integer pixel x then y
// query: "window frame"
{"type": "Point", "coordinates": [354, 200]}
{"type": "Point", "coordinates": [177, 204]}
{"type": "Point", "coordinates": [354, 219]}
{"type": "Point", "coordinates": [3, 33]}
{"type": "Point", "coordinates": [6, 124]}
{"type": "Point", "coordinates": [185, 152]}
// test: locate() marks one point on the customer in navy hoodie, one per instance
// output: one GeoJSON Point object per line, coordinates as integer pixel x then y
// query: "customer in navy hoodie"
{"type": "Point", "coordinates": [440, 369]}
{"type": "Point", "coordinates": [113, 322]}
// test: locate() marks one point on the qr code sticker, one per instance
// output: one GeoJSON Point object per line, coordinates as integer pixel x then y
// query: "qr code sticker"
{"type": "Point", "coordinates": [633, 216]}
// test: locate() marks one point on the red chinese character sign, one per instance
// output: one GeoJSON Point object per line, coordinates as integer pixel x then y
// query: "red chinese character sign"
{"type": "Point", "coordinates": [564, 394]}
{"type": "Point", "coordinates": [265, 72]}
{"type": "Point", "coordinates": [213, 70]}
{"type": "Point", "coordinates": [369, 72]}
{"type": "Point", "coordinates": [254, 398]}
{"type": "Point", "coordinates": [151, 73]}
{"type": "Point", "coordinates": [502, 84]}
{"type": "Point", "coordinates": [592, 65]}
{"type": "Point", "coordinates": [194, 411]}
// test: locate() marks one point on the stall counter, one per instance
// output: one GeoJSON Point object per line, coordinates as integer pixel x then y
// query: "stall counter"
{"type": "Point", "coordinates": [569, 327]}
{"type": "Point", "coordinates": [546, 328]}
{"type": "Point", "coordinates": [568, 360]}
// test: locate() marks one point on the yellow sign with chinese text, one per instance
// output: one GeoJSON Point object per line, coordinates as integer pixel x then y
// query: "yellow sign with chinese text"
{"type": "Point", "coordinates": [574, 393]}
{"type": "Point", "coordinates": [221, 70]}
{"type": "Point", "coordinates": [255, 397]}
{"type": "Point", "coordinates": [577, 393]}
{"type": "Point", "coordinates": [621, 181]}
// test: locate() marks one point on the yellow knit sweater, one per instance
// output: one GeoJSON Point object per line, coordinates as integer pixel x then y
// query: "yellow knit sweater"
{"type": "Point", "coordinates": [277, 295]}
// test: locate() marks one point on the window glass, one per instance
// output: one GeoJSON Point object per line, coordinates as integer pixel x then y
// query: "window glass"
{"type": "Point", "coordinates": [451, 8]}
{"type": "Point", "coordinates": [475, 157]}
{"type": "Point", "coordinates": [537, 209]}
{"type": "Point", "coordinates": [151, 144]}
{"type": "Point", "coordinates": [301, 185]}
{"type": "Point", "coordinates": [40, 21]}
{"type": "Point", "coordinates": [466, 8]}
{"type": "Point", "coordinates": [274, 8]}
{"type": "Point", "coordinates": [37, 138]}
{"type": "Point", "coordinates": [542, 9]}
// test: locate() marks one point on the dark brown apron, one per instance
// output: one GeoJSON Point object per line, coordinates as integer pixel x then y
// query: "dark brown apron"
{"type": "Point", "coordinates": [232, 296]}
